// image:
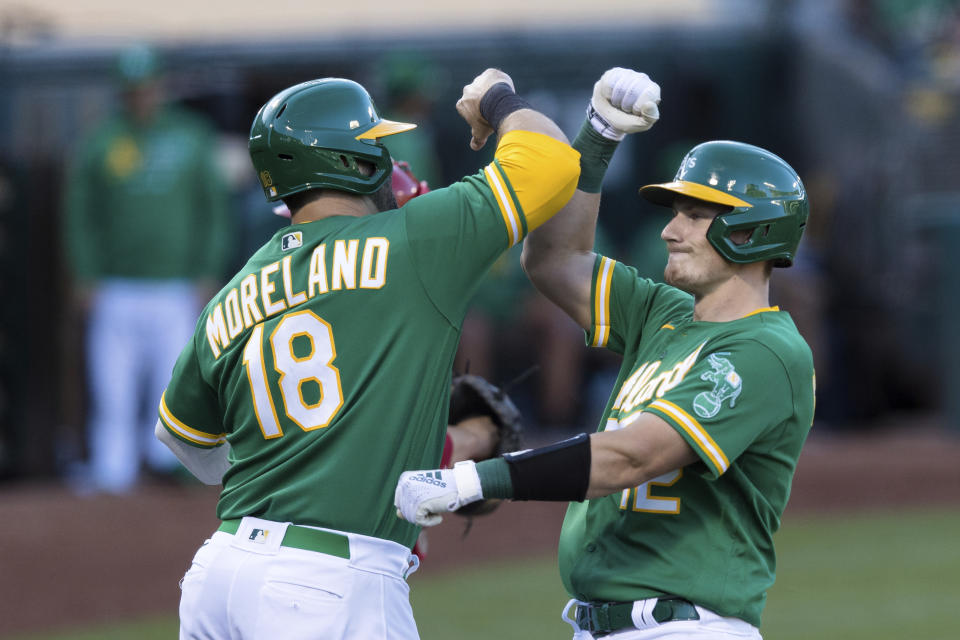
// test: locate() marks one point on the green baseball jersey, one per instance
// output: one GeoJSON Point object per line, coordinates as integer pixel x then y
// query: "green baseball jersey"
{"type": "Point", "coordinates": [741, 393]}
{"type": "Point", "coordinates": [147, 201]}
{"type": "Point", "coordinates": [326, 361]}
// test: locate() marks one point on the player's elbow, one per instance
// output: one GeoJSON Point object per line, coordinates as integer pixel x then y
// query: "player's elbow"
{"type": "Point", "coordinates": [542, 171]}
{"type": "Point", "coordinates": [636, 467]}
{"type": "Point", "coordinates": [543, 265]}
{"type": "Point", "coordinates": [533, 260]}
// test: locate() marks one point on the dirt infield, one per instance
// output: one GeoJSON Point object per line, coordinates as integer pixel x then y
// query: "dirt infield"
{"type": "Point", "coordinates": [67, 560]}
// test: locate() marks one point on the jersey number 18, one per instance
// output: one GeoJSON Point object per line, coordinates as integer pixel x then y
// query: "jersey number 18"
{"type": "Point", "coordinates": [295, 370]}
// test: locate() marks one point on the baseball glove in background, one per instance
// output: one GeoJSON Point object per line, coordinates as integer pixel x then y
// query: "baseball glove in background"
{"type": "Point", "coordinates": [472, 396]}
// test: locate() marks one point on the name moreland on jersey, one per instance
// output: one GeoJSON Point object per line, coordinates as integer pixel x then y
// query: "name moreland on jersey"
{"type": "Point", "coordinates": [271, 290]}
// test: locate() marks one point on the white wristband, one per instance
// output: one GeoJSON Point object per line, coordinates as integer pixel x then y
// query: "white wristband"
{"type": "Point", "coordinates": [468, 482]}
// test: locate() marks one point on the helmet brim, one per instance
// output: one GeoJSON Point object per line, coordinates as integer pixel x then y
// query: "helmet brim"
{"type": "Point", "coordinates": [663, 194]}
{"type": "Point", "coordinates": [385, 128]}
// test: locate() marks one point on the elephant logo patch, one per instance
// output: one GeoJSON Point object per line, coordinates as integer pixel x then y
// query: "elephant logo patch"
{"type": "Point", "coordinates": [727, 385]}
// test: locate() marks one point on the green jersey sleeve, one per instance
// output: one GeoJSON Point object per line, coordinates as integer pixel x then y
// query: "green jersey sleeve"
{"type": "Point", "coordinates": [626, 307]}
{"type": "Point", "coordinates": [455, 235]}
{"type": "Point", "coordinates": [733, 396]}
{"type": "Point", "coordinates": [458, 232]}
{"type": "Point", "coordinates": [189, 408]}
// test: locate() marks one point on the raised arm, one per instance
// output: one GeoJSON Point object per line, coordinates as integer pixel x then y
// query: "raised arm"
{"type": "Point", "coordinates": [534, 155]}
{"type": "Point", "coordinates": [490, 105]}
{"type": "Point", "coordinates": [558, 257]}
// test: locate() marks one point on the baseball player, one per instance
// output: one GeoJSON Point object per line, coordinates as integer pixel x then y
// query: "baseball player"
{"type": "Point", "coordinates": [146, 234]}
{"type": "Point", "coordinates": [322, 369]}
{"type": "Point", "coordinates": [676, 498]}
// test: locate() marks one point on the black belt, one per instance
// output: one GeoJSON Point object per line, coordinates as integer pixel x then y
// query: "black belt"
{"type": "Point", "coordinates": [601, 619]}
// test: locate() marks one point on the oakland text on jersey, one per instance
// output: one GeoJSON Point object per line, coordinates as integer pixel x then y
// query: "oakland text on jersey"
{"type": "Point", "coordinates": [643, 384]}
{"type": "Point", "coordinates": [271, 290]}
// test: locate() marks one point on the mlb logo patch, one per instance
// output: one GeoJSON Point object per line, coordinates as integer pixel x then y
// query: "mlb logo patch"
{"type": "Point", "coordinates": [259, 535]}
{"type": "Point", "coordinates": [291, 241]}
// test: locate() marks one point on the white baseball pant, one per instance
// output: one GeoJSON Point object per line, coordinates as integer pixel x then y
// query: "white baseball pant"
{"type": "Point", "coordinates": [247, 586]}
{"type": "Point", "coordinates": [136, 331]}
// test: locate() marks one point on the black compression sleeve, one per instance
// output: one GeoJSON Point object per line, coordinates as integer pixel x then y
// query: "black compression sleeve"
{"type": "Point", "coordinates": [560, 471]}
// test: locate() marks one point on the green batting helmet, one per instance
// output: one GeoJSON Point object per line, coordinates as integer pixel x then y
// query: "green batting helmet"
{"type": "Point", "coordinates": [314, 135]}
{"type": "Point", "coordinates": [766, 194]}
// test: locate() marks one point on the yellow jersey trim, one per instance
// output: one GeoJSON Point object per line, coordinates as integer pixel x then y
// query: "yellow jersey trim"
{"type": "Point", "coordinates": [511, 219]}
{"type": "Point", "coordinates": [762, 310]}
{"type": "Point", "coordinates": [185, 432]}
{"type": "Point", "coordinates": [601, 303]}
{"type": "Point", "coordinates": [696, 431]}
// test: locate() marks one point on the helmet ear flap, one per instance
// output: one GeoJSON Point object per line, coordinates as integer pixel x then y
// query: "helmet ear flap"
{"type": "Point", "coordinates": [774, 233]}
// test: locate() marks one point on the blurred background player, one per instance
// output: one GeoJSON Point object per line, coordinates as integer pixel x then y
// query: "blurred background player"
{"type": "Point", "coordinates": [146, 235]}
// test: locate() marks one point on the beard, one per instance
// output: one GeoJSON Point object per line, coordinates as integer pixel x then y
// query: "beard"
{"type": "Point", "coordinates": [675, 279]}
{"type": "Point", "coordinates": [697, 277]}
{"type": "Point", "coordinates": [673, 275]}
{"type": "Point", "coordinates": [383, 198]}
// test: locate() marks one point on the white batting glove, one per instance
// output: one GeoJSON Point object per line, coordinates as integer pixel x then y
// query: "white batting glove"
{"type": "Point", "coordinates": [421, 496]}
{"type": "Point", "coordinates": [624, 101]}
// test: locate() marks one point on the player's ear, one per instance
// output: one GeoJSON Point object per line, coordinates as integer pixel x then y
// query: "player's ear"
{"type": "Point", "coordinates": [366, 168]}
{"type": "Point", "coordinates": [741, 236]}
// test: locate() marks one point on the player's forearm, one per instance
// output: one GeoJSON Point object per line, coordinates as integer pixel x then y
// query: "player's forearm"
{"type": "Point", "coordinates": [633, 455]}
{"type": "Point", "coordinates": [572, 230]}
{"type": "Point", "coordinates": [561, 474]}
{"type": "Point", "coordinates": [615, 467]}
{"type": "Point", "coordinates": [473, 438]}
{"type": "Point", "coordinates": [531, 120]}
{"type": "Point", "coordinates": [588, 467]}
{"type": "Point", "coordinates": [553, 255]}
{"type": "Point", "coordinates": [619, 463]}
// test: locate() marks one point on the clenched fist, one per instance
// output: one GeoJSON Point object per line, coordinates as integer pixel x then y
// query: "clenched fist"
{"type": "Point", "coordinates": [421, 496]}
{"type": "Point", "coordinates": [624, 101]}
{"type": "Point", "coordinates": [468, 106]}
